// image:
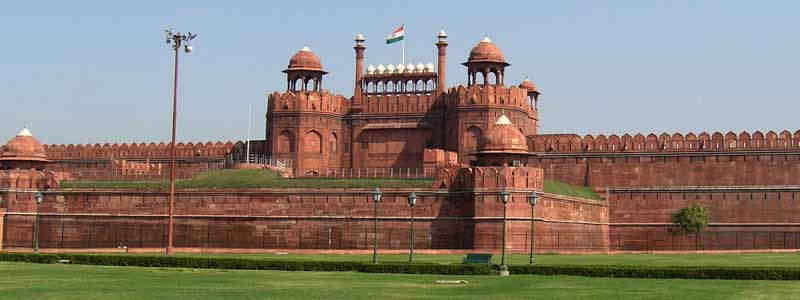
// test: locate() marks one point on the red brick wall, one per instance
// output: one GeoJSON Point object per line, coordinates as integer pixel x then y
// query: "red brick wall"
{"type": "Point", "coordinates": [741, 217]}
{"type": "Point", "coordinates": [292, 219]}
{"type": "Point", "coordinates": [672, 169]}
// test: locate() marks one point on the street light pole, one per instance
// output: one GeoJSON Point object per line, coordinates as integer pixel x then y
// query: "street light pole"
{"type": "Point", "coordinates": [38, 198]}
{"type": "Point", "coordinates": [504, 197]}
{"type": "Point", "coordinates": [376, 198]}
{"type": "Point", "coordinates": [412, 200]}
{"type": "Point", "coordinates": [532, 199]}
{"type": "Point", "coordinates": [176, 39]}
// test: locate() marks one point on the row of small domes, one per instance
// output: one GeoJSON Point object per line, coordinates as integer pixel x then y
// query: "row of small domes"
{"type": "Point", "coordinates": [399, 68]}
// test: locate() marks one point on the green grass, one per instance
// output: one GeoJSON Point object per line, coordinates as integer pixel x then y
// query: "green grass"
{"type": "Point", "coordinates": [560, 188]}
{"type": "Point", "coordinates": [672, 260]}
{"type": "Point", "coordinates": [237, 179]}
{"type": "Point", "coordinates": [43, 282]}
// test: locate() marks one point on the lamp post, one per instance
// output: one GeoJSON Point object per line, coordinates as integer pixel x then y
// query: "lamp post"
{"type": "Point", "coordinates": [412, 200]}
{"type": "Point", "coordinates": [38, 197]}
{"type": "Point", "coordinates": [532, 199]}
{"type": "Point", "coordinates": [504, 197]}
{"type": "Point", "coordinates": [175, 39]}
{"type": "Point", "coordinates": [376, 198]}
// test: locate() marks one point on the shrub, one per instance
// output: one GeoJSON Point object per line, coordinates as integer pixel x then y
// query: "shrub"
{"type": "Point", "coordinates": [738, 273]}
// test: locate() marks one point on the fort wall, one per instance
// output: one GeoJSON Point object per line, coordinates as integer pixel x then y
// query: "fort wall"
{"type": "Point", "coordinates": [740, 217]}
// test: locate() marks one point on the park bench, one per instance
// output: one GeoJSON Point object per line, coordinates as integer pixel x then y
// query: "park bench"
{"type": "Point", "coordinates": [478, 258]}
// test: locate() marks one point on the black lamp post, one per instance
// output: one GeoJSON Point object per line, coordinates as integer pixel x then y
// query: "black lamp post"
{"type": "Point", "coordinates": [38, 197]}
{"type": "Point", "coordinates": [532, 199]}
{"type": "Point", "coordinates": [412, 200]}
{"type": "Point", "coordinates": [504, 197]}
{"type": "Point", "coordinates": [376, 198]}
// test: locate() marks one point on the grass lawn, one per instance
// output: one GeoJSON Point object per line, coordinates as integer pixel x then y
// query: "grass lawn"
{"type": "Point", "coordinates": [42, 282]}
{"type": "Point", "coordinates": [731, 260]}
{"type": "Point", "coordinates": [231, 179]}
{"type": "Point", "coordinates": [225, 179]}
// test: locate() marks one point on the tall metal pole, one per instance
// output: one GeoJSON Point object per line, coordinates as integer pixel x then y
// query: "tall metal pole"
{"type": "Point", "coordinates": [375, 243]}
{"type": "Point", "coordinates": [170, 250]}
{"type": "Point", "coordinates": [533, 207]}
{"type": "Point", "coordinates": [411, 246]}
{"type": "Point", "coordinates": [503, 255]}
{"type": "Point", "coordinates": [36, 229]}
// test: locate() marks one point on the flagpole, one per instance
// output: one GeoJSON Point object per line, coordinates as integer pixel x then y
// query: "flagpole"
{"type": "Point", "coordinates": [404, 47]}
{"type": "Point", "coordinates": [248, 134]}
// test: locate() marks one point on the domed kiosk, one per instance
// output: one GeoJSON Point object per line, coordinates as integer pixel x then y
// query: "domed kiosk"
{"type": "Point", "coordinates": [503, 144]}
{"type": "Point", "coordinates": [304, 72]}
{"type": "Point", "coordinates": [23, 152]}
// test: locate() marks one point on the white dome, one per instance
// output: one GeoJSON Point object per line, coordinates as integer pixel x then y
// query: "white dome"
{"type": "Point", "coordinates": [24, 132]}
{"type": "Point", "coordinates": [420, 67]}
{"type": "Point", "coordinates": [400, 68]}
{"type": "Point", "coordinates": [410, 68]}
{"type": "Point", "coordinates": [390, 69]}
{"type": "Point", "coordinates": [442, 33]}
{"type": "Point", "coordinates": [305, 48]}
{"type": "Point", "coordinates": [371, 69]}
{"type": "Point", "coordinates": [429, 67]}
{"type": "Point", "coordinates": [381, 69]}
{"type": "Point", "coordinates": [360, 37]}
{"type": "Point", "coordinates": [486, 39]}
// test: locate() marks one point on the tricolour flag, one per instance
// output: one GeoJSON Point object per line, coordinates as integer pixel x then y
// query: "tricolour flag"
{"type": "Point", "coordinates": [396, 36]}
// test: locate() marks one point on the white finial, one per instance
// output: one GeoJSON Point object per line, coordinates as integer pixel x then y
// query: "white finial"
{"type": "Point", "coordinates": [400, 68]}
{"type": "Point", "coordinates": [503, 120]}
{"type": "Point", "coordinates": [371, 69]}
{"type": "Point", "coordinates": [429, 67]}
{"type": "Point", "coordinates": [360, 37]}
{"type": "Point", "coordinates": [305, 48]}
{"type": "Point", "coordinates": [24, 132]}
{"type": "Point", "coordinates": [486, 39]}
{"type": "Point", "coordinates": [442, 33]}
{"type": "Point", "coordinates": [420, 67]}
{"type": "Point", "coordinates": [390, 69]}
{"type": "Point", "coordinates": [410, 67]}
{"type": "Point", "coordinates": [381, 69]}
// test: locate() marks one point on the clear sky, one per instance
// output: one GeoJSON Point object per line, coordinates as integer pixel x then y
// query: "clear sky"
{"type": "Point", "coordinates": [99, 71]}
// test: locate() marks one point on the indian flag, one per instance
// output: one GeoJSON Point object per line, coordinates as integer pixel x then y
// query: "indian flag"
{"type": "Point", "coordinates": [396, 36]}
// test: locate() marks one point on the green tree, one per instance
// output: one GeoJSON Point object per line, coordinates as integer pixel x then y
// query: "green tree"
{"type": "Point", "coordinates": [690, 219]}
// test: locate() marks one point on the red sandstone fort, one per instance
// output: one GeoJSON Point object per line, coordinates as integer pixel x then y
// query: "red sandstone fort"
{"type": "Point", "coordinates": [473, 139]}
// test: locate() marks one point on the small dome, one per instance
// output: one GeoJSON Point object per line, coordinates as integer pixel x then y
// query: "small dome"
{"type": "Point", "coordinates": [429, 67]}
{"type": "Point", "coordinates": [371, 69]}
{"type": "Point", "coordinates": [442, 34]}
{"type": "Point", "coordinates": [528, 86]}
{"type": "Point", "coordinates": [400, 68]}
{"type": "Point", "coordinates": [305, 60]}
{"type": "Point", "coordinates": [410, 68]}
{"type": "Point", "coordinates": [24, 147]}
{"type": "Point", "coordinates": [390, 69]}
{"type": "Point", "coordinates": [486, 51]}
{"type": "Point", "coordinates": [381, 69]}
{"type": "Point", "coordinates": [360, 37]}
{"type": "Point", "coordinates": [504, 137]}
{"type": "Point", "coordinates": [420, 67]}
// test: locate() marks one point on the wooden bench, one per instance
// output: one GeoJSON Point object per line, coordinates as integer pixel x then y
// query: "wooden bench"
{"type": "Point", "coordinates": [478, 258]}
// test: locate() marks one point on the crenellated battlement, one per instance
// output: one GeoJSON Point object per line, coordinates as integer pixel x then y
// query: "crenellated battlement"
{"type": "Point", "coordinates": [571, 143]}
{"type": "Point", "coordinates": [308, 101]}
{"type": "Point", "coordinates": [138, 150]}
{"type": "Point", "coordinates": [488, 95]}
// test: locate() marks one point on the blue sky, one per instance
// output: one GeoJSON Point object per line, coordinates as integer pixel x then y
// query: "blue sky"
{"type": "Point", "coordinates": [99, 71]}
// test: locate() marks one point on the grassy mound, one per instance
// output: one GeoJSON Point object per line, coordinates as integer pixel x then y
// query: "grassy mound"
{"type": "Point", "coordinates": [241, 179]}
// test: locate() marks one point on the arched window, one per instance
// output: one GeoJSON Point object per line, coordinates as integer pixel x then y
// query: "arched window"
{"type": "Point", "coordinates": [479, 78]}
{"type": "Point", "coordinates": [472, 138]}
{"type": "Point", "coordinates": [286, 142]}
{"type": "Point", "coordinates": [492, 77]}
{"type": "Point", "coordinates": [333, 145]}
{"type": "Point", "coordinates": [312, 142]}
